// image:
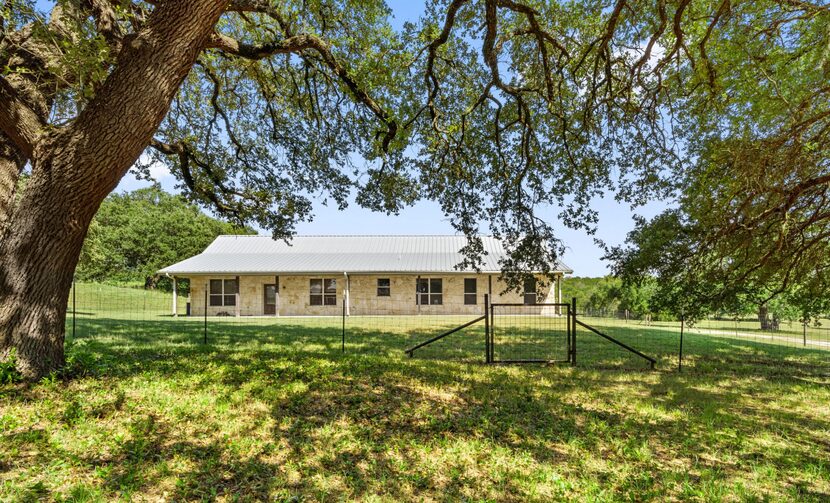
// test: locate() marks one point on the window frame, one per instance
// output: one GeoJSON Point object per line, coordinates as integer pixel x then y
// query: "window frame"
{"type": "Point", "coordinates": [471, 297]}
{"type": "Point", "coordinates": [327, 295]}
{"type": "Point", "coordinates": [430, 294]}
{"type": "Point", "coordinates": [384, 291]}
{"type": "Point", "coordinates": [224, 294]}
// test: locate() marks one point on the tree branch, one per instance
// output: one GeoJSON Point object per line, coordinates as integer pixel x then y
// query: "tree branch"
{"type": "Point", "coordinates": [296, 45]}
{"type": "Point", "coordinates": [20, 123]}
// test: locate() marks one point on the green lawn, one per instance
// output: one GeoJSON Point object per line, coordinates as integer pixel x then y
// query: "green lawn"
{"type": "Point", "coordinates": [271, 409]}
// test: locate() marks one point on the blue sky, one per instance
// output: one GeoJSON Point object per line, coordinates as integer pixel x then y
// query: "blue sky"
{"type": "Point", "coordinates": [426, 217]}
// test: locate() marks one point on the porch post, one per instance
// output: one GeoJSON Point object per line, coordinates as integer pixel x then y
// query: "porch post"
{"type": "Point", "coordinates": [276, 295]}
{"type": "Point", "coordinates": [417, 293]}
{"type": "Point", "coordinates": [559, 293]}
{"type": "Point", "coordinates": [238, 307]}
{"type": "Point", "coordinates": [346, 294]}
{"type": "Point", "coordinates": [175, 298]}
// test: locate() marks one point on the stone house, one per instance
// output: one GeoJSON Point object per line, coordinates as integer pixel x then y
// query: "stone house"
{"type": "Point", "coordinates": [355, 275]}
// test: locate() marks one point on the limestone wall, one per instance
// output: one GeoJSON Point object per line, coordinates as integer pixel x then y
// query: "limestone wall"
{"type": "Point", "coordinates": [294, 295]}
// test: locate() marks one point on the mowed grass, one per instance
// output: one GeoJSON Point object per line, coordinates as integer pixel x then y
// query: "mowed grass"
{"type": "Point", "coordinates": [275, 410]}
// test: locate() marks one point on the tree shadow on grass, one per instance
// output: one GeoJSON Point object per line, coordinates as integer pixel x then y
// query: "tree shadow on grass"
{"type": "Point", "coordinates": [375, 422]}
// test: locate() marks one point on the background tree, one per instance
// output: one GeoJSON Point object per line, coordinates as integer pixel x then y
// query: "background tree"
{"type": "Point", "coordinates": [752, 222]}
{"type": "Point", "coordinates": [493, 108]}
{"type": "Point", "coordinates": [135, 234]}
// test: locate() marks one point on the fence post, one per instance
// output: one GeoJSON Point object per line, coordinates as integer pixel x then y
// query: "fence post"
{"type": "Point", "coordinates": [343, 332]}
{"type": "Point", "coordinates": [569, 330]}
{"type": "Point", "coordinates": [573, 333]}
{"type": "Point", "coordinates": [680, 354]}
{"type": "Point", "coordinates": [74, 308]}
{"type": "Point", "coordinates": [486, 328]}
{"type": "Point", "coordinates": [805, 333]}
{"type": "Point", "coordinates": [492, 334]}
{"type": "Point", "coordinates": [205, 310]}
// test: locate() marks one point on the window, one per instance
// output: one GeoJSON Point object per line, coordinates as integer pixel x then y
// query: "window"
{"type": "Point", "coordinates": [384, 287]}
{"type": "Point", "coordinates": [470, 297]}
{"type": "Point", "coordinates": [223, 292]}
{"type": "Point", "coordinates": [323, 292]}
{"type": "Point", "coordinates": [530, 291]}
{"type": "Point", "coordinates": [429, 291]}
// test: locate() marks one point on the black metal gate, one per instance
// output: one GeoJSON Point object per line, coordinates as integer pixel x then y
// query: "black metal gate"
{"type": "Point", "coordinates": [530, 333]}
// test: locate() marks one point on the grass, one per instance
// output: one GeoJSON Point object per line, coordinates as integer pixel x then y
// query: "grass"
{"type": "Point", "coordinates": [273, 410]}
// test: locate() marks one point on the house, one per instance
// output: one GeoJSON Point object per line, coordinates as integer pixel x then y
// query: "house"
{"type": "Point", "coordinates": [355, 275]}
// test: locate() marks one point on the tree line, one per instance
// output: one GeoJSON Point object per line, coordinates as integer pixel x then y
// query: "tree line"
{"type": "Point", "coordinates": [135, 234]}
{"type": "Point", "coordinates": [617, 296]}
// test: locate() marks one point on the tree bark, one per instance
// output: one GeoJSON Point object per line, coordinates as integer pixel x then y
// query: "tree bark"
{"type": "Point", "coordinates": [12, 162]}
{"type": "Point", "coordinates": [75, 168]}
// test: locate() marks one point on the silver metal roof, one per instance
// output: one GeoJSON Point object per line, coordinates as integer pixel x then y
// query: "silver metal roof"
{"type": "Point", "coordinates": [337, 254]}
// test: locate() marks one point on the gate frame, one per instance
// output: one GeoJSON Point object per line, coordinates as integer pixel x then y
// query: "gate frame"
{"type": "Point", "coordinates": [570, 332]}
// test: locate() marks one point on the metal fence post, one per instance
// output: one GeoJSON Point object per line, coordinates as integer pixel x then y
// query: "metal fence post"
{"type": "Point", "coordinates": [492, 334]}
{"type": "Point", "coordinates": [680, 354]}
{"type": "Point", "coordinates": [74, 308]}
{"type": "Point", "coordinates": [343, 332]}
{"type": "Point", "coordinates": [573, 333]}
{"type": "Point", "coordinates": [805, 333]}
{"type": "Point", "coordinates": [486, 328]}
{"type": "Point", "coordinates": [206, 309]}
{"type": "Point", "coordinates": [569, 330]}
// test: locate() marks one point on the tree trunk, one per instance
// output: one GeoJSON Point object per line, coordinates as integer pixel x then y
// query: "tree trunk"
{"type": "Point", "coordinates": [763, 317]}
{"type": "Point", "coordinates": [37, 262]}
{"type": "Point", "coordinates": [75, 168]}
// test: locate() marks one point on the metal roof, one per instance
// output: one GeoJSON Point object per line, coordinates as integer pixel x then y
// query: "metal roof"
{"type": "Point", "coordinates": [338, 254]}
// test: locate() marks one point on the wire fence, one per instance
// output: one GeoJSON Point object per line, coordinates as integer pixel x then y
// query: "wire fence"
{"type": "Point", "coordinates": [711, 344]}
{"type": "Point", "coordinates": [126, 317]}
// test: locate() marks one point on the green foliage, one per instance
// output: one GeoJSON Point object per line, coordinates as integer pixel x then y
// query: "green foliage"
{"type": "Point", "coordinates": [8, 369]}
{"type": "Point", "coordinates": [492, 143]}
{"type": "Point", "coordinates": [498, 111]}
{"type": "Point", "coordinates": [669, 256]}
{"type": "Point", "coordinates": [590, 293]}
{"type": "Point", "coordinates": [135, 234]}
{"type": "Point", "coordinates": [608, 294]}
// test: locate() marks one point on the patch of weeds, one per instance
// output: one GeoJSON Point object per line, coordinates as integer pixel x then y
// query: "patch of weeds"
{"type": "Point", "coordinates": [73, 413]}
{"type": "Point", "coordinates": [81, 493]}
{"type": "Point", "coordinates": [82, 363]}
{"type": "Point", "coordinates": [8, 369]}
{"type": "Point", "coordinates": [35, 492]}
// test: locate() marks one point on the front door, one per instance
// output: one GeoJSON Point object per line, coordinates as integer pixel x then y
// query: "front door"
{"type": "Point", "coordinates": [270, 299]}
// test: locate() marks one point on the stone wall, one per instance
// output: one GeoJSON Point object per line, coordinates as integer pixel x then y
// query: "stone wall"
{"type": "Point", "coordinates": [294, 296]}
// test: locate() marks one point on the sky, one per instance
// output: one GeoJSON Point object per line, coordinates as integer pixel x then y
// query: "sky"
{"type": "Point", "coordinates": [582, 254]}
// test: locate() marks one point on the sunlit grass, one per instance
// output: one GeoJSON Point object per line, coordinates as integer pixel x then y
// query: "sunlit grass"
{"type": "Point", "coordinates": [275, 411]}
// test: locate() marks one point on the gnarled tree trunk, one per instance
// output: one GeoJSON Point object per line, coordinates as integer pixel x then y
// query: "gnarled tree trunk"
{"type": "Point", "coordinates": [73, 170]}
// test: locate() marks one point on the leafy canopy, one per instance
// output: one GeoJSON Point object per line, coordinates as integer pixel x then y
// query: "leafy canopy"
{"type": "Point", "coordinates": [498, 109]}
